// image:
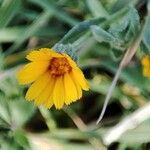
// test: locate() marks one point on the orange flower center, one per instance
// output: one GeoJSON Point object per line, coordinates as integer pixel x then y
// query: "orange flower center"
{"type": "Point", "coordinates": [59, 66]}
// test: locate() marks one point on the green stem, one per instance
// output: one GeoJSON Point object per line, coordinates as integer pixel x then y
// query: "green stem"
{"type": "Point", "coordinates": [51, 124]}
{"type": "Point", "coordinates": [82, 127]}
{"type": "Point", "coordinates": [85, 25]}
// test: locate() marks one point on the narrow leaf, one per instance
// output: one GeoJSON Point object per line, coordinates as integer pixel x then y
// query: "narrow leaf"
{"type": "Point", "coordinates": [97, 8]}
{"type": "Point", "coordinates": [8, 11]}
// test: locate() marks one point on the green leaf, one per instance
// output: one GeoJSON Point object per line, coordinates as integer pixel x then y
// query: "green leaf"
{"type": "Point", "coordinates": [79, 29]}
{"type": "Point", "coordinates": [134, 23]}
{"type": "Point", "coordinates": [12, 34]}
{"type": "Point", "coordinates": [117, 28]}
{"type": "Point", "coordinates": [21, 111]}
{"type": "Point", "coordinates": [15, 112]}
{"type": "Point", "coordinates": [34, 27]}
{"type": "Point", "coordinates": [120, 4]}
{"type": "Point", "coordinates": [21, 139]}
{"type": "Point", "coordinates": [101, 35]}
{"type": "Point", "coordinates": [97, 8]}
{"type": "Point", "coordinates": [57, 12]}
{"type": "Point", "coordinates": [75, 134]}
{"type": "Point", "coordinates": [134, 20]}
{"type": "Point", "coordinates": [126, 28]}
{"type": "Point", "coordinates": [146, 36]}
{"type": "Point", "coordinates": [1, 60]}
{"type": "Point", "coordinates": [8, 10]}
{"type": "Point", "coordinates": [5, 118]}
{"type": "Point", "coordinates": [116, 54]}
{"type": "Point", "coordinates": [14, 140]}
{"type": "Point", "coordinates": [6, 87]}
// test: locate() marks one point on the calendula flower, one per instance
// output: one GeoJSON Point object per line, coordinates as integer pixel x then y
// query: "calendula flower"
{"type": "Point", "coordinates": [55, 77]}
{"type": "Point", "coordinates": [146, 65]}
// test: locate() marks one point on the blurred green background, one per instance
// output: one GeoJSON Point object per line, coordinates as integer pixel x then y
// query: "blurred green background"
{"type": "Point", "coordinates": [31, 24]}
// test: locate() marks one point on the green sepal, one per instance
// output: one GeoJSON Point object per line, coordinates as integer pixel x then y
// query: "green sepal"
{"type": "Point", "coordinates": [66, 48]}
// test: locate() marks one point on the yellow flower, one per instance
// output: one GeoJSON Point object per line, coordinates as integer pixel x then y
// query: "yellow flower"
{"type": "Point", "coordinates": [55, 77]}
{"type": "Point", "coordinates": [146, 65]}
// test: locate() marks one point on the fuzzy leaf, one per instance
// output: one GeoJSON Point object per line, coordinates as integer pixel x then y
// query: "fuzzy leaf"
{"type": "Point", "coordinates": [146, 37]}
{"type": "Point", "coordinates": [126, 28]}
{"type": "Point", "coordinates": [101, 35]}
{"type": "Point", "coordinates": [134, 23]}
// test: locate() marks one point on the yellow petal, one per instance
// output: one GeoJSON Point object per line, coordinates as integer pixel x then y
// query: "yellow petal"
{"type": "Point", "coordinates": [146, 71]}
{"type": "Point", "coordinates": [80, 79]}
{"type": "Point", "coordinates": [78, 73]}
{"type": "Point", "coordinates": [49, 102]}
{"type": "Point", "coordinates": [58, 93]}
{"type": "Point", "coordinates": [43, 54]}
{"type": "Point", "coordinates": [146, 61]}
{"type": "Point", "coordinates": [38, 86]}
{"type": "Point", "coordinates": [70, 89]}
{"type": "Point", "coordinates": [78, 87]}
{"type": "Point", "coordinates": [32, 71]}
{"type": "Point", "coordinates": [44, 97]}
{"type": "Point", "coordinates": [146, 65]}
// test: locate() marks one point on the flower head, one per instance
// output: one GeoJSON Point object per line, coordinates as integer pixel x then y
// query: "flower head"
{"type": "Point", "coordinates": [146, 65]}
{"type": "Point", "coordinates": [55, 77]}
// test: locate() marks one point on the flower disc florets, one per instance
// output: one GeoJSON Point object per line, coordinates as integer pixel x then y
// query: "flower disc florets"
{"type": "Point", "coordinates": [59, 66]}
